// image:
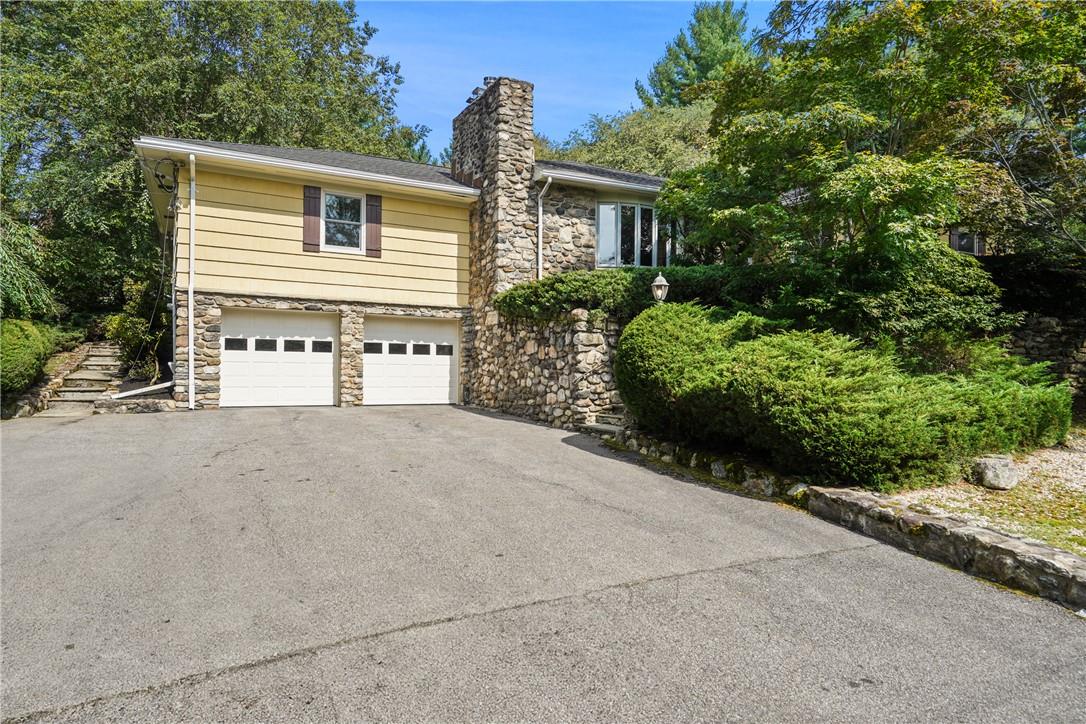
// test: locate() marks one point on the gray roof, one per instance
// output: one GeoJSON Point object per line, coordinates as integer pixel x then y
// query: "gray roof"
{"type": "Point", "coordinates": [601, 172]}
{"type": "Point", "coordinates": [340, 159]}
{"type": "Point", "coordinates": [409, 170]}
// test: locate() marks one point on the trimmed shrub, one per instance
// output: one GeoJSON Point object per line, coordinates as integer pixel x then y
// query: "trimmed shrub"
{"type": "Point", "coordinates": [618, 293]}
{"type": "Point", "coordinates": [24, 347]}
{"type": "Point", "coordinates": [929, 304]}
{"type": "Point", "coordinates": [817, 404]}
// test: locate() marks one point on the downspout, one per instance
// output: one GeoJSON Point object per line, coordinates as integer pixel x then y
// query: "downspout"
{"type": "Point", "coordinates": [192, 281]}
{"type": "Point", "coordinates": [539, 229]}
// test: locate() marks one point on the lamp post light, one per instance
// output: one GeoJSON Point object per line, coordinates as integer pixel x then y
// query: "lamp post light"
{"type": "Point", "coordinates": [659, 288]}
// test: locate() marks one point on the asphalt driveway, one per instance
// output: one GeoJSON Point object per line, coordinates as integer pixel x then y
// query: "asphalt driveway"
{"type": "Point", "coordinates": [442, 564]}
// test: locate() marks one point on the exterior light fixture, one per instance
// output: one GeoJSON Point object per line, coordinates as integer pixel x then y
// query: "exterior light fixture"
{"type": "Point", "coordinates": [659, 288]}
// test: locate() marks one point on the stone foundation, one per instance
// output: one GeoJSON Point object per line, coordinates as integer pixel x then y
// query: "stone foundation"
{"type": "Point", "coordinates": [208, 332]}
{"type": "Point", "coordinates": [558, 373]}
{"type": "Point", "coordinates": [1061, 342]}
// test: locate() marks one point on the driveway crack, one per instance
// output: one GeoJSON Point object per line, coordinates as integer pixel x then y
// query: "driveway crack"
{"type": "Point", "coordinates": [316, 649]}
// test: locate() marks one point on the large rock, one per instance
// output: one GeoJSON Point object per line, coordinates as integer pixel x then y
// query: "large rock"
{"type": "Point", "coordinates": [997, 472]}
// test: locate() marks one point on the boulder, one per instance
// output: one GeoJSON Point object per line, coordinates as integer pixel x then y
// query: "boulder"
{"type": "Point", "coordinates": [997, 472]}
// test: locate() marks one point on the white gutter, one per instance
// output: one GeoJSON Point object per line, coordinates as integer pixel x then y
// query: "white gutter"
{"type": "Point", "coordinates": [157, 144]}
{"type": "Point", "coordinates": [583, 179]}
{"type": "Point", "coordinates": [140, 391]}
{"type": "Point", "coordinates": [539, 230]}
{"type": "Point", "coordinates": [192, 281]}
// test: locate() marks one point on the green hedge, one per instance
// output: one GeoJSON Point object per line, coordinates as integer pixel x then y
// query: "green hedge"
{"type": "Point", "coordinates": [928, 307]}
{"type": "Point", "coordinates": [24, 348]}
{"type": "Point", "coordinates": [619, 293]}
{"type": "Point", "coordinates": [815, 403]}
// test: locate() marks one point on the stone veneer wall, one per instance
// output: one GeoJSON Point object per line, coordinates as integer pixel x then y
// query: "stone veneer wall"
{"type": "Point", "coordinates": [569, 228]}
{"type": "Point", "coordinates": [208, 333]}
{"type": "Point", "coordinates": [558, 373]}
{"type": "Point", "coordinates": [1059, 341]}
{"type": "Point", "coordinates": [493, 149]}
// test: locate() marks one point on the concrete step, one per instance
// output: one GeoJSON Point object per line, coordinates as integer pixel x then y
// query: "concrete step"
{"type": "Point", "coordinates": [78, 396]}
{"type": "Point", "coordinates": [83, 386]}
{"type": "Point", "coordinates": [59, 408]}
{"type": "Point", "coordinates": [89, 376]}
{"type": "Point", "coordinates": [611, 419]}
{"type": "Point", "coordinates": [596, 428]}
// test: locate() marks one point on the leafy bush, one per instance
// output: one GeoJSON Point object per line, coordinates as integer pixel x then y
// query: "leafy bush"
{"type": "Point", "coordinates": [815, 403]}
{"type": "Point", "coordinates": [133, 331]}
{"type": "Point", "coordinates": [619, 293]}
{"type": "Point", "coordinates": [929, 303]}
{"type": "Point", "coordinates": [22, 290]}
{"type": "Point", "coordinates": [24, 347]}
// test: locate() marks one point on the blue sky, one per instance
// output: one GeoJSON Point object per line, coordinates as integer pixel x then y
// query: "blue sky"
{"type": "Point", "coordinates": [583, 57]}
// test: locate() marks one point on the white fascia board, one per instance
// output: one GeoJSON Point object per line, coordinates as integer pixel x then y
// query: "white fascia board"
{"type": "Point", "coordinates": [157, 144]}
{"type": "Point", "coordinates": [582, 179]}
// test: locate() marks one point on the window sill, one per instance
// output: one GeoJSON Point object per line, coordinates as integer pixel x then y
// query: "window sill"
{"type": "Point", "coordinates": [343, 250]}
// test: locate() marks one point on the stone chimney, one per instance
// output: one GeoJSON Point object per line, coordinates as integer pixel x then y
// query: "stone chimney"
{"type": "Point", "coordinates": [493, 149]}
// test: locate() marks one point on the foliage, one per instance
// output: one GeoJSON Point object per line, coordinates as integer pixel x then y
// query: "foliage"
{"type": "Point", "coordinates": [22, 291]}
{"type": "Point", "coordinates": [925, 306]}
{"type": "Point", "coordinates": [618, 293]}
{"type": "Point", "coordinates": [24, 348]}
{"type": "Point", "coordinates": [1037, 283]}
{"type": "Point", "coordinates": [659, 141]}
{"type": "Point", "coordinates": [1000, 84]}
{"type": "Point", "coordinates": [712, 41]}
{"type": "Point", "coordinates": [139, 327]}
{"type": "Point", "coordinates": [82, 79]}
{"type": "Point", "coordinates": [815, 403]}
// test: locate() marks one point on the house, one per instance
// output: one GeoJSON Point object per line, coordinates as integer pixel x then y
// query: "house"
{"type": "Point", "coordinates": [316, 277]}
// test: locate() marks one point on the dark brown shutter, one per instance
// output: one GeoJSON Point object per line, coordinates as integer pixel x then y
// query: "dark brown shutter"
{"type": "Point", "coordinates": [373, 225]}
{"type": "Point", "coordinates": [311, 219]}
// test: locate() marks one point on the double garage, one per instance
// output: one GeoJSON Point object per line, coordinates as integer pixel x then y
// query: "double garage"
{"type": "Point", "coordinates": [271, 358]}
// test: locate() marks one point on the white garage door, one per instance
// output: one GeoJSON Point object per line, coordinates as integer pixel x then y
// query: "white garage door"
{"type": "Point", "coordinates": [277, 358]}
{"type": "Point", "coordinates": [410, 361]}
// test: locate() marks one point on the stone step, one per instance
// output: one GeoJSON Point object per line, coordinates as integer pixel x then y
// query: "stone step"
{"type": "Point", "coordinates": [596, 428]}
{"type": "Point", "coordinates": [83, 386]}
{"type": "Point", "coordinates": [102, 358]}
{"type": "Point", "coordinates": [88, 375]}
{"type": "Point", "coordinates": [59, 408]}
{"type": "Point", "coordinates": [104, 350]}
{"type": "Point", "coordinates": [611, 419]}
{"type": "Point", "coordinates": [101, 366]}
{"type": "Point", "coordinates": [78, 396]}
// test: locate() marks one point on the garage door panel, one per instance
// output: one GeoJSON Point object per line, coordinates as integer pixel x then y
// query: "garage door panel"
{"type": "Point", "coordinates": [258, 370]}
{"type": "Point", "coordinates": [418, 376]}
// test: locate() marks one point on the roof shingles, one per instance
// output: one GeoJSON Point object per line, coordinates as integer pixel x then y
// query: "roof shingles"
{"type": "Point", "coordinates": [411, 171]}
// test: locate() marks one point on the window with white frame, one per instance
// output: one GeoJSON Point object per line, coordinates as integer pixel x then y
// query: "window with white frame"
{"type": "Point", "coordinates": [343, 222]}
{"type": "Point", "coordinates": [626, 235]}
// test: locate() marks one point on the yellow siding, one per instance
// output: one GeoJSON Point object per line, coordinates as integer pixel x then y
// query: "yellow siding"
{"type": "Point", "coordinates": [249, 241]}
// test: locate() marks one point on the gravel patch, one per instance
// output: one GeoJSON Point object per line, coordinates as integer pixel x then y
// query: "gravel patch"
{"type": "Point", "coordinates": [1048, 505]}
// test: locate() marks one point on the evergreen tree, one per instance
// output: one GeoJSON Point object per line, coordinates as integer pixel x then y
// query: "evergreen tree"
{"type": "Point", "coordinates": [713, 40]}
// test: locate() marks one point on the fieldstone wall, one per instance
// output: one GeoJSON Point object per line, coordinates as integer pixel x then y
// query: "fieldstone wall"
{"type": "Point", "coordinates": [493, 149]}
{"type": "Point", "coordinates": [569, 228]}
{"type": "Point", "coordinates": [208, 334]}
{"type": "Point", "coordinates": [558, 373]}
{"type": "Point", "coordinates": [1059, 341]}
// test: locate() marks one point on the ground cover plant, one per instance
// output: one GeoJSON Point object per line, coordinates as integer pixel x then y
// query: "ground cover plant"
{"type": "Point", "coordinates": [24, 348]}
{"type": "Point", "coordinates": [819, 404]}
